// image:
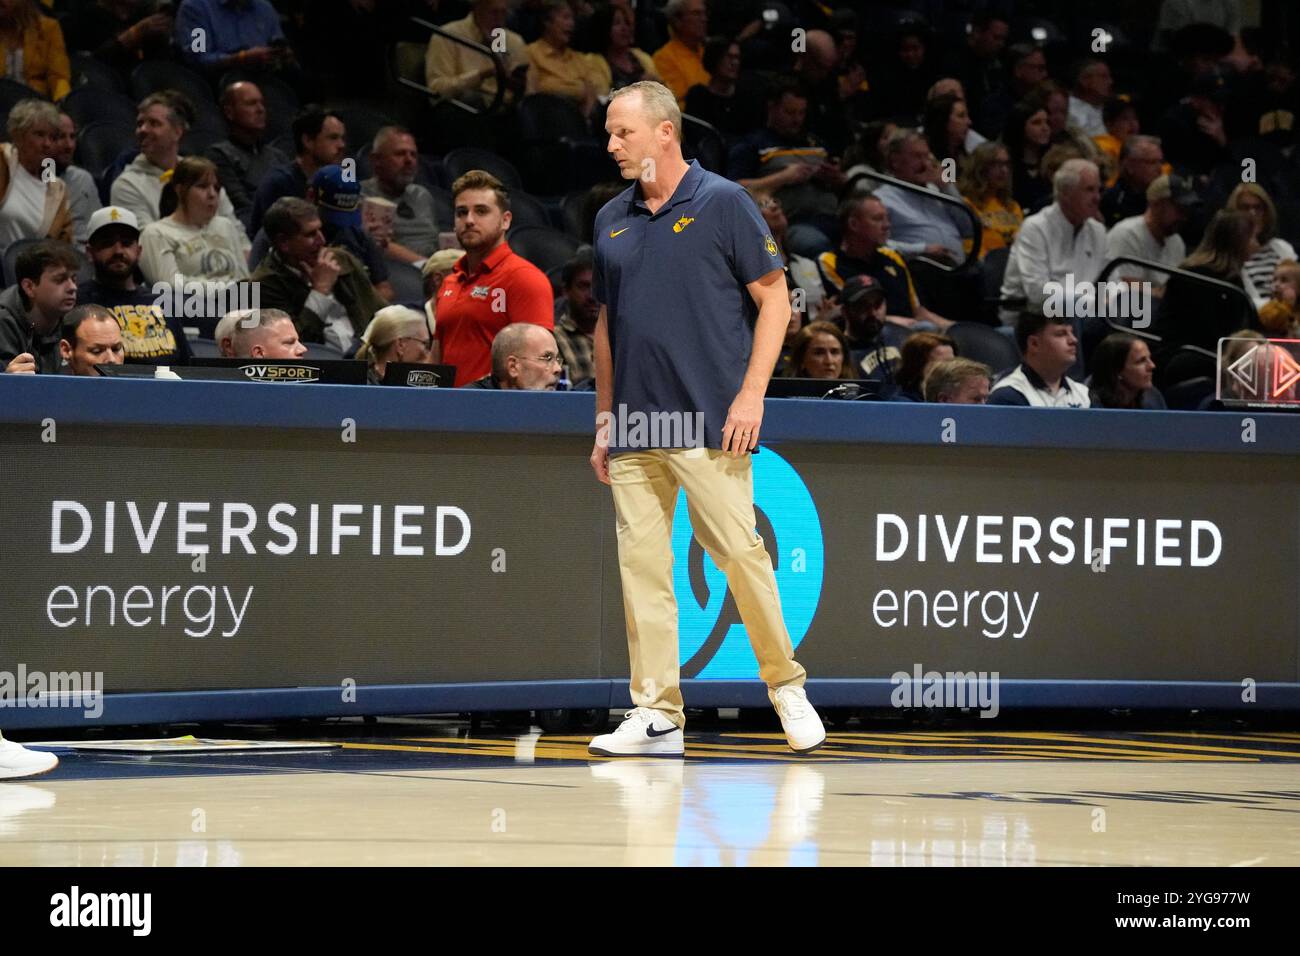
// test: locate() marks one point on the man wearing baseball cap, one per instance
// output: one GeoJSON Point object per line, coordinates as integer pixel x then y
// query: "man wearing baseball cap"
{"type": "Point", "coordinates": [1154, 234]}
{"type": "Point", "coordinates": [149, 336]}
{"type": "Point", "coordinates": [873, 342]}
{"type": "Point", "coordinates": [338, 197]}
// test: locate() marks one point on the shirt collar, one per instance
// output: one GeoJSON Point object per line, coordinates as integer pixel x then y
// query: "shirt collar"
{"type": "Point", "coordinates": [684, 192]}
{"type": "Point", "coordinates": [490, 262]}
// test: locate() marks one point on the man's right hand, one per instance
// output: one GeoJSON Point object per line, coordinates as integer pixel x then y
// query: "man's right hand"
{"type": "Point", "coordinates": [22, 364]}
{"type": "Point", "coordinates": [259, 56]}
{"type": "Point", "coordinates": [600, 460]}
{"type": "Point", "coordinates": [325, 272]}
{"type": "Point", "coordinates": [798, 173]}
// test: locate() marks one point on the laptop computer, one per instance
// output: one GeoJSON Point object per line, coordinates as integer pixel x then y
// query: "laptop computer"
{"type": "Point", "coordinates": [841, 388]}
{"type": "Point", "coordinates": [302, 371]}
{"type": "Point", "coordinates": [414, 375]}
{"type": "Point", "coordinates": [184, 372]}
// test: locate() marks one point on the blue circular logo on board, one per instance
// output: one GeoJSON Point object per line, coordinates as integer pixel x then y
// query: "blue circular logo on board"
{"type": "Point", "coordinates": [712, 639]}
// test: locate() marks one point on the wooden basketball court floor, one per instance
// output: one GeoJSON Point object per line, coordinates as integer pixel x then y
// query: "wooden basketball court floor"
{"type": "Point", "coordinates": [426, 792]}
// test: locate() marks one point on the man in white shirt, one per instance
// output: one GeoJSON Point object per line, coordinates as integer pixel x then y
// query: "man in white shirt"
{"type": "Point", "coordinates": [160, 123]}
{"type": "Point", "coordinates": [1048, 349]}
{"type": "Point", "coordinates": [33, 203]}
{"type": "Point", "coordinates": [1092, 88]}
{"type": "Point", "coordinates": [1154, 234]}
{"type": "Point", "coordinates": [1065, 239]}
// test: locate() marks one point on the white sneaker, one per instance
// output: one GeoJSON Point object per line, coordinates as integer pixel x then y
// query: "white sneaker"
{"type": "Point", "coordinates": [643, 733]}
{"type": "Point", "coordinates": [17, 761]}
{"type": "Point", "coordinates": [803, 728]}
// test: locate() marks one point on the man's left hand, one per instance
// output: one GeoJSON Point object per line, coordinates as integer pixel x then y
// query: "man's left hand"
{"type": "Point", "coordinates": [744, 418]}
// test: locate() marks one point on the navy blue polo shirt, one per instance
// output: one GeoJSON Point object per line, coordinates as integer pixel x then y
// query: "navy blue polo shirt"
{"type": "Point", "coordinates": [673, 284]}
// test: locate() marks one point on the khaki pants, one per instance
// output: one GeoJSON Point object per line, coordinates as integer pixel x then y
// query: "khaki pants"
{"type": "Point", "coordinates": [720, 500]}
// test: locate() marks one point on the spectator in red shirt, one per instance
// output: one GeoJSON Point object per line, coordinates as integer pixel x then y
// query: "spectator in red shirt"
{"type": "Point", "coordinates": [489, 287]}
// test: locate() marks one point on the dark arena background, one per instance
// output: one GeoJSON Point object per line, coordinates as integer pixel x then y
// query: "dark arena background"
{"type": "Point", "coordinates": [294, 588]}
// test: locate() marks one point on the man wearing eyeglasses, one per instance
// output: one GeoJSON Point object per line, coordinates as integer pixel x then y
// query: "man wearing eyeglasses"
{"type": "Point", "coordinates": [524, 357]}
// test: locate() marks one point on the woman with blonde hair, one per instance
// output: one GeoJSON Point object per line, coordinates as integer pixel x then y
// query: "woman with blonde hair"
{"type": "Point", "coordinates": [1195, 313]}
{"type": "Point", "coordinates": [986, 186]}
{"type": "Point", "coordinates": [396, 334]}
{"type": "Point", "coordinates": [32, 50]}
{"type": "Point", "coordinates": [1268, 249]}
{"type": "Point", "coordinates": [193, 242]}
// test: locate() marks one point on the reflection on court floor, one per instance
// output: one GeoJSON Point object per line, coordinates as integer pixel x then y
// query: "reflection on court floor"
{"type": "Point", "coordinates": [429, 794]}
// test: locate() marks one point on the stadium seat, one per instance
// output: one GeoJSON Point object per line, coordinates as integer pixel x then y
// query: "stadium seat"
{"type": "Point", "coordinates": [98, 104]}
{"type": "Point", "coordinates": [1184, 364]}
{"type": "Point", "coordinates": [202, 135]}
{"type": "Point", "coordinates": [362, 125]}
{"type": "Point", "coordinates": [528, 210]}
{"type": "Point", "coordinates": [205, 348]}
{"type": "Point", "coordinates": [983, 344]}
{"type": "Point", "coordinates": [407, 283]}
{"type": "Point", "coordinates": [462, 160]}
{"type": "Point", "coordinates": [572, 212]}
{"type": "Point", "coordinates": [702, 141]}
{"type": "Point", "coordinates": [544, 248]}
{"type": "Point", "coordinates": [444, 211]}
{"type": "Point", "coordinates": [1188, 395]}
{"type": "Point", "coordinates": [12, 92]}
{"type": "Point", "coordinates": [151, 76]}
{"type": "Point", "coordinates": [89, 70]}
{"type": "Point", "coordinates": [100, 143]}
{"type": "Point", "coordinates": [9, 258]}
{"type": "Point", "coordinates": [560, 151]}
{"type": "Point", "coordinates": [319, 350]}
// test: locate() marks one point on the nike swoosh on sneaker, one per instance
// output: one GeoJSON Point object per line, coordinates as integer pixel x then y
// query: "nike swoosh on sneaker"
{"type": "Point", "coordinates": [651, 732]}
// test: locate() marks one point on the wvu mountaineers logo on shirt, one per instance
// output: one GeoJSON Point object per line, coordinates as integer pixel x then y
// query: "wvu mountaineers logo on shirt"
{"type": "Point", "coordinates": [145, 334]}
{"type": "Point", "coordinates": [770, 245]}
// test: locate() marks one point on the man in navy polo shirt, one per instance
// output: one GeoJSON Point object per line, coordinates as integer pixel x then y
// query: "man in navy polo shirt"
{"type": "Point", "coordinates": [694, 309]}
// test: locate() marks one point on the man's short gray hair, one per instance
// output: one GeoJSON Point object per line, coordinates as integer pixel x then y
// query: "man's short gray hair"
{"type": "Point", "coordinates": [1135, 141]}
{"type": "Point", "coordinates": [385, 133]}
{"type": "Point", "coordinates": [1068, 176]}
{"type": "Point", "coordinates": [657, 102]}
{"type": "Point", "coordinates": [673, 8]}
{"type": "Point", "coordinates": [898, 141]}
{"type": "Point", "coordinates": [32, 112]}
{"type": "Point", "coordinates": [509, 341]}
{"type": "Point", "coordinates": [246, 324]}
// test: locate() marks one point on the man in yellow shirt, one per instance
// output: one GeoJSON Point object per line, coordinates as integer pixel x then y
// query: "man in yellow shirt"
{"type": "Point", "coordinates": [680, 61]}
{"type": "Point", "coordinates": [454, 71]}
